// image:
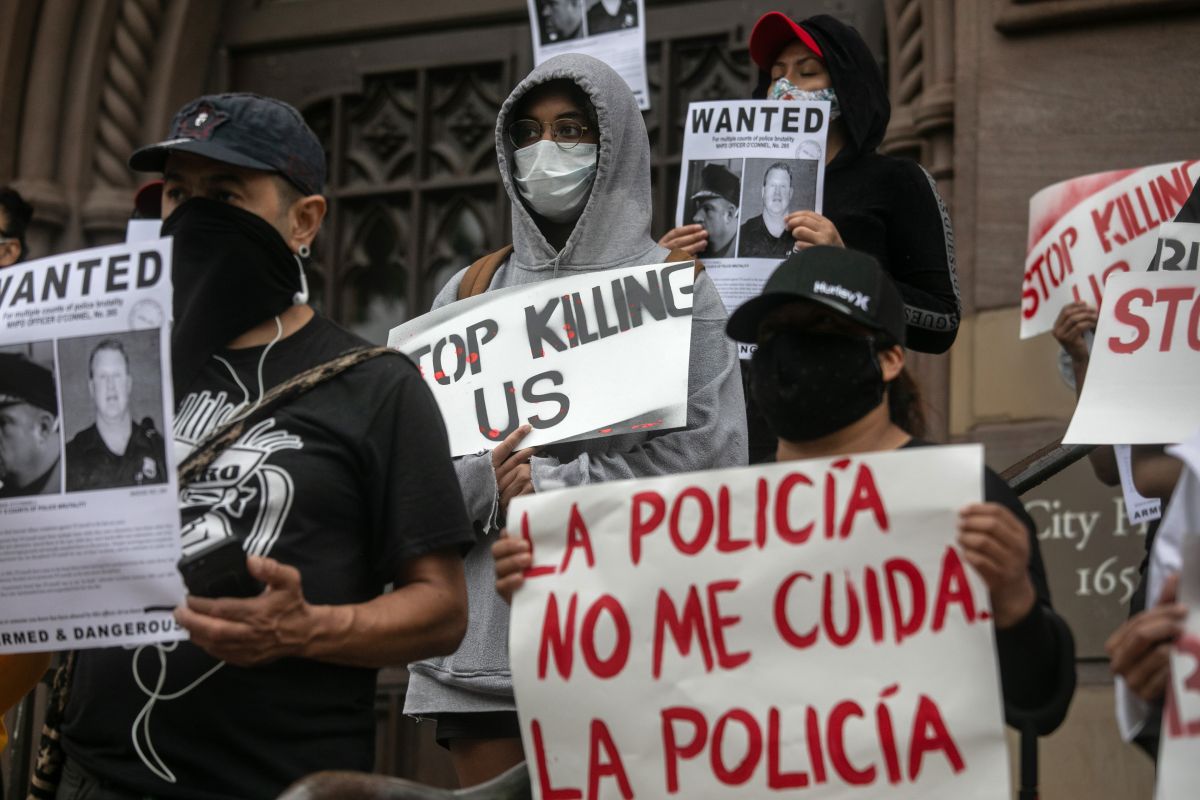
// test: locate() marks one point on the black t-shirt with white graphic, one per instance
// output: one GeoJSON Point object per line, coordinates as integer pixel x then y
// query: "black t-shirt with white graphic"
{"type": "Point", "coordinates": [344, 483]}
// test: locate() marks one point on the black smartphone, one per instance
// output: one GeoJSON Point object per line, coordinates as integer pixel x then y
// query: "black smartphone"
{"type": "Point", "coordinates": [219, 570]}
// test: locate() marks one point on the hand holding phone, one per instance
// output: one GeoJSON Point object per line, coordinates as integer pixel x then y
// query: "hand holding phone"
{"type": "Point", "coordinates": [219, 570]}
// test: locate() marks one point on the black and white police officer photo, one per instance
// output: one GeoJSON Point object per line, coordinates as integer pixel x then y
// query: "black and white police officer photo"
{"type": "Point", "coordinates": [119, 448]}
{"type": "Point", "coordinates": [29, 426]}
{"type": "Point", "coordinates": [716, 203]}
{"type": "Point", "coordinates": [559, 20]}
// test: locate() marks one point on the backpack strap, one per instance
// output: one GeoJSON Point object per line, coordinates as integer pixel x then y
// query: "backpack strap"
{"type": "Point", "coordinates": [479, 275]}
{"type": "Point", "coordinates": [192, 467]}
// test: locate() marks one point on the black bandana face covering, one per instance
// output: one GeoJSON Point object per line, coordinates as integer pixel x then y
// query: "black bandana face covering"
{"type": "Point", "coordinates": [231, 271]}
{"type": "Point", "coordinates": [809, 385]}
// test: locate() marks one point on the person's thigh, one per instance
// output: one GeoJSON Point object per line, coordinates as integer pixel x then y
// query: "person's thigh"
{"type": "Point", "coordinates": [477, 761]}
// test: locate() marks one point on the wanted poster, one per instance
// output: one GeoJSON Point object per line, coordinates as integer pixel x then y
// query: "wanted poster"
{"type": "Point", "coordinates": [610, 30]}
{"type": "Point", "coordinates": [807, 628]}
{"type": "Point", "coordinates": [746, 166]}
{"type": "Point", "coordinates": [1084, 230]}
{"type": "Point", "coordinates": [568, 356]}
{"type": "Point", "coordinates": [1143, 376]}
{"type": "Point", "coordinates": [89, 521]}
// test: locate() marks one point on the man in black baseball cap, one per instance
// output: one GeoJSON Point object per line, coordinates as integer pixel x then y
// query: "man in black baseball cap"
{"type": "Point", "coordinates": [829, 326]}
{"type": "Point", "coordinates": [335, 494]}
{"type": "Point", "coordinates": [717, 209]}
{"type": "Point", "coordinates": [29, 437]}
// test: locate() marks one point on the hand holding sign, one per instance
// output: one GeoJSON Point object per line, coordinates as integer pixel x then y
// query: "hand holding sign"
{"type": "Point", "coordinates": [1139, 650]}
{"type": "Point", "coordinates": [512, 556]}
{"type": "Point", "coordinates": [513, 476]}
{"type": "Point", "coordinates": [809, 228]}
{"type": "Point", "coordinates": [1073, 322]}
{"type": "Point", "coordinates": [691, 239]}
{"type": "Point", "coordinates": [996, 544]}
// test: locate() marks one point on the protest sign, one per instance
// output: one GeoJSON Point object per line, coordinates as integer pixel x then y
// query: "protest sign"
{"type": "Point", "coordinates": [1083, 230]}
{"type": "Point", "coordinates": [1179, 752]}
{"type": "Point", "coordinates": [610, 30]}
{"type": "Point", "coordinates": [88, 538]}
{"type": "Point", "coordinates": [1144, 372]}
{"type": "Point", "coordinates": [809, 625]}
{"type": "Point", "coordinates": [746, 166]}
{"type": "Point", "coordinates": [1178, 247]}
{"type": "Point", "coordinates": [569, 356]}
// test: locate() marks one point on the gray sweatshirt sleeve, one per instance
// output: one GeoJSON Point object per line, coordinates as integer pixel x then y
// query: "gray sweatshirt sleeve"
{"type": "Point", "coordinates": [476, 476]}
{"type": "Point", "coordinates": [715, 435]}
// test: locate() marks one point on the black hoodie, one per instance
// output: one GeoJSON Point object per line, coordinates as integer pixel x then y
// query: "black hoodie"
{"type": "Point", "coordinates": [885, 206]}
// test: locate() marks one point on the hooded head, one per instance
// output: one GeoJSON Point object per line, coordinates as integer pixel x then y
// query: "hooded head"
{"type": "Point", "coordinates": [613, 227]}
{"type": "Point", "coordinates": [853, 70]}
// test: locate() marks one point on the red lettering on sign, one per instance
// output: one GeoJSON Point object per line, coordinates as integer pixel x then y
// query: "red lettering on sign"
{"type": "Point", "coordinates": [1125, 315]}
{"type": "Point", "coordinates": [930, 735]}
{"type": "Point", "coordinates": [703, 528]}
{"type": "Point", "coordinates": [1172, 296]}
{"type": "Point", "coordinates": [549, 791]}
{"type": "Point", "coordinates": [683, 630]}
{"type": "Point", "coordinates": [577, 538]}
{"type": "Point", "coordinates": [557, 639]}
{"type": "Point", "coordinates": [533, 571]}
{"type": "Point", "coordinates": [605, 667]}
{"type": "Point", "coordinates": [725, 659]}
{"type": "Point", "coordinates": [783, 523]}
{"type": "Point", "coordinates": [837, 748]}
{"type": "Point", "coordinates": [604, 761]}
{"type": "Point", "coordinates": [952, 588]}
{"type": "Point", "coordinates": [673, 751]}
{"type": "Point", "coordinates": [744, 769]}
{"type": "Point", "coordinates": [641, 526]}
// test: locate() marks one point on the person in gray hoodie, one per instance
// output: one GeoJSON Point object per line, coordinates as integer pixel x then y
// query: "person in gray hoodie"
{"type": "Point", "coordinates": [569, 215]}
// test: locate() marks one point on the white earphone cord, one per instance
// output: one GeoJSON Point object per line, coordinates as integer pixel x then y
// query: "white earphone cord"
{"type": "Point", "coordinates": [141, 723]}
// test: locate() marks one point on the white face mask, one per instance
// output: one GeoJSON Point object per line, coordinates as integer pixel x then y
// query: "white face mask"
{"type": "Point", "coordinates": [555, 182]}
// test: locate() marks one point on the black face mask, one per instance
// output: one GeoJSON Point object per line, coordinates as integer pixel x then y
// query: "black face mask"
{"type": "Point", "coordinates": [231, 270]}
{"type": "Point", "coordinates": [809, 385]}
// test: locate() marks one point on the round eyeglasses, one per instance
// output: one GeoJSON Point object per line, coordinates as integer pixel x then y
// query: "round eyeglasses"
{"type": "Point", "coordinates": [566, 132]}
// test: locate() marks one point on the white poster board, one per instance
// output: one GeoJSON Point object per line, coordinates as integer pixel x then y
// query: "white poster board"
{"type": "Point", "coordinates": [1084, 230]}
{"type": "Point", "coordinates": [806, 628]}
{"type": "Point", "coordinates": [88, 548]}
{"type": "Point", "coordinates": [1177, 248]}
{"type": "Point", "coordinates": [1179, 750]}
{"type": "Point", "coordinates": [1144, 373]}
{"type": "Point", "coordinates": [746, 165]}
{"type": "Point", "coordinates": [569, 356]}
{"type": "Point", "coordinates": [611, 30]}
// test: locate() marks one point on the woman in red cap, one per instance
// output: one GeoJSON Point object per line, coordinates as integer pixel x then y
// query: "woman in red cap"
{"type": "Point", "coordinates": [888, 207]}
{"type": "Point", "coordinates": [885, 206]}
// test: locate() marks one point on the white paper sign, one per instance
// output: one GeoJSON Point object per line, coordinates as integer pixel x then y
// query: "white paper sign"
{"type": "Point", "coordinates": [1084, 230]}
{"type": "Point", "coordinates": [804, 628]}
{"type": "Point", "coordinates": [1143, 377]}
{"type": "Point", "coordinates": [88, 538]}
{"type": "Point", "coordinates": [1178, 247]}
{"type": "Point", "coordinates": [570, 356]}
{"type": "Point", "coordinates": [1179, 752]}
{"type": "Point", "coordinates": [610, 30]}
{"type": "Point", "coordinates": [747, 165]}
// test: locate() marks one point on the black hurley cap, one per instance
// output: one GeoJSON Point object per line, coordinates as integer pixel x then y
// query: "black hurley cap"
{"type": "Point", "coordinates": [23, 381]}
{"type": "Point", "coordinates": [246, 130]}
{"type": "Point", "coordinates": [716, 181]}
{"type": "Point", "coordinates": [847, 281]}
